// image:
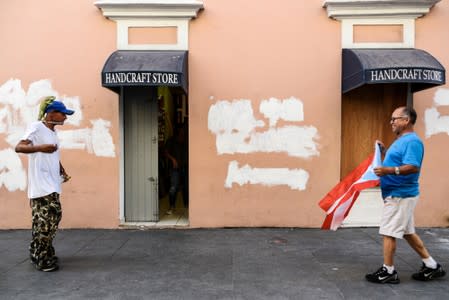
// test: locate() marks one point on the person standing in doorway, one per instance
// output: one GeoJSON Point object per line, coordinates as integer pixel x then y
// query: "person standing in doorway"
{"type": "Point", "coordinates": [399, 176]}
{"type": "Point", "coordinates": [176, 152]}
{"type": "Point", "coordinates": [45, 175]}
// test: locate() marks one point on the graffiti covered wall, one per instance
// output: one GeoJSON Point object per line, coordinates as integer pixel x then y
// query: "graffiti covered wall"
{"type": "Point", "coordinates": [238, 131]}
{"type": "Point", "coordinates": [19, 107]}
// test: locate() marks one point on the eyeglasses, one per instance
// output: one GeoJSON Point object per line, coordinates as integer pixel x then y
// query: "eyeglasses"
{"type": "Point", "coordinates": [396, 118]}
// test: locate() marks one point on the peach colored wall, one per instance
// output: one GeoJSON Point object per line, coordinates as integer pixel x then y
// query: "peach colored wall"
{"type": "Point", "coordinates": [432, 35]}
{"type": "Point", "coordinates": [257, 51]}
{"type": "Point", "coordinates": [254, 51]}
{"type": "Point", "coordinates": [66, 42]}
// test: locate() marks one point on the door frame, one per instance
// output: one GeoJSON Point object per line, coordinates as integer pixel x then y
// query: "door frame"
{"type": "Point", "coordinates": [122, 158]}
{"type": "Point", "coordinates": [122, 204]}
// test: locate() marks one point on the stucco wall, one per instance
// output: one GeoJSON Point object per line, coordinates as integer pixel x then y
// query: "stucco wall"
{"type": "Point", "coordinates": [254, 54]}
{"type": "Point", "coordinates": [264, 101]}
{"type": "Point", "coordinates": [59, 47]}
{"type": "Point", "coordinates": [433, 124]}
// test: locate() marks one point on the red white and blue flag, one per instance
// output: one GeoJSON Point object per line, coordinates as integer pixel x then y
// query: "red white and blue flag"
{"type": "Point", "coordinates": [339, 201]}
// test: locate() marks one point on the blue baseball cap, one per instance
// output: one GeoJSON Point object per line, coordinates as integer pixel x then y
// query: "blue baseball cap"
{"type": "Point", "coordinates": [58, 106]}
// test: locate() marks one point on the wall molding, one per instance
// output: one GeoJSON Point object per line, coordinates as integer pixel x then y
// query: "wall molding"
{"type": "Point", "coordinates": [119, 9]}
{"type": "Point", "coordinates": [378, 12]}
{"type": "Point", "coordinates": [348, 9]}
{"type": "Point", "coordinates": [151, 14]}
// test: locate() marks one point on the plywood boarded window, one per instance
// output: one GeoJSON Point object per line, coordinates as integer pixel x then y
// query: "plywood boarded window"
{"type": "Point", "coordinates": [366, 113]}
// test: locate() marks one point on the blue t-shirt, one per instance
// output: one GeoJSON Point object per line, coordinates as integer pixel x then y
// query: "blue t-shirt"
{"type": "Point", "coordinates": [408, 149]}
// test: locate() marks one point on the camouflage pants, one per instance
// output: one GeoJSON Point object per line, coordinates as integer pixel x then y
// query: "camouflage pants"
{"type": "Point", "coordinates": [46, 215]}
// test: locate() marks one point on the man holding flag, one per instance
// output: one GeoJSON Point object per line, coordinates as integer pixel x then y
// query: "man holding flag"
{"type": "Point", "coordinates": [399, 176]}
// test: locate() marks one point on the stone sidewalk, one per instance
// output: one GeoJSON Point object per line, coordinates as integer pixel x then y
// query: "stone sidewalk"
{"type": "Point", "coordinates": [241, 263]}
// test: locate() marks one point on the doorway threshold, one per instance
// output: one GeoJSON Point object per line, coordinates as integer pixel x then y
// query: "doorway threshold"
{"type": "Point", "coordinates": [174, 220]}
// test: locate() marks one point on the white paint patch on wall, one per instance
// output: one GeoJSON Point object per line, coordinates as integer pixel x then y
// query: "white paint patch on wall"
{"type": "Point", "coordinates": [434, 122]}
{"type": "Point", "coordinates": [234, 125]}
{"type": "Point", "coordinates": [102, 143]}
{"type": "Point", "coordinates": [234, 117]}
{"type": "Point", "coordinates": [297, 141]}
{"type": "Point", "coordinates": [76, 139]}
{"type": "Point", "coordinates": [238, 131]}
{"type": "Point", "coordinates": [441, 97]}
{"type": "Point", "coordinates": [290, 109]}
{"type": "Point", "coordinates": [74, 104]}
{"type": "Point", "coordinates": [18, 108]}
{"type": "Point", "coordinates": [12, 173]}
{"type": "Point", "coordinates": [294, 178]}
{"type": "Point", "coordinates": [96, 140]}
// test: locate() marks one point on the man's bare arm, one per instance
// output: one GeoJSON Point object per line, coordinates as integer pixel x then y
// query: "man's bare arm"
{"type": "Point", "coordinates": [26, 146]}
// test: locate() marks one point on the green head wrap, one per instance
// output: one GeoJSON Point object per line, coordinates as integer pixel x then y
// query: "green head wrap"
{"type": "Point", "coordinates": [44, 103]}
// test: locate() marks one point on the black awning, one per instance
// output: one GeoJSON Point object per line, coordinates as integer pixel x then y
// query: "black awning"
{"type": "Point", "coordinates": [145, 68]}
{"type": "Point", "coordinates": [370, 66]}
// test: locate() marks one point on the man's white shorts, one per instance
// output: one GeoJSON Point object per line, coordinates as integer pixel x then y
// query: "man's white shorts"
{"type": "Point", "coordinates": [397, 216]}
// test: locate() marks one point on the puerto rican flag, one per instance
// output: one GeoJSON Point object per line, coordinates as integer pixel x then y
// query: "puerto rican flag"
{"type": "Point", "coordinates": [339, 201]}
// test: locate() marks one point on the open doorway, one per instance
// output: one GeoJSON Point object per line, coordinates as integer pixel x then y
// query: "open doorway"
{"type": "Point", "coordinates": [155, 155]}
{"type": "Point", "coordinates": [173, 155]}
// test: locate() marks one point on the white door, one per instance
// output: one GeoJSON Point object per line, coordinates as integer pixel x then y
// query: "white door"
{"type": "Point", "coordinates": [141, 154]}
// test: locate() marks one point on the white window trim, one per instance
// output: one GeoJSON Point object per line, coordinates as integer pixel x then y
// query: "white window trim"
{"type": "Point", "coordinates": [116, 9]}
{"type": "Point", "coordinates": [182, 33]}
{"type": "Point", "coordinates": [151, 14]}
{"type": "Point", "coordinates": [378, 12]}
{"type": "Point", "coordinates": [408, 31]}
{"type": "Point", "coordinates": [350, 9]}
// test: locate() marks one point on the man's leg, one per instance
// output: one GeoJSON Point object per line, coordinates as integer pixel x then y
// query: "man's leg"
{"type": "Point", "coordinates": [386, 273]}
{"type": "Point", "coordinates": [417, 244]}
{"type": "Point", "coordinates": [172, 192]}
{"type": "Point", "coordinates": [430, 268]}
{"type": "Point", "coordinates": [35, 229]}
{"type": "Point", "coordinates": [41, 243]}
{"type": "Point", "coordinates": [389, 244]}
{"type": "Point", "coordinates": [185, 187]}
{"type": "Point", "coordinates": [54, 217]}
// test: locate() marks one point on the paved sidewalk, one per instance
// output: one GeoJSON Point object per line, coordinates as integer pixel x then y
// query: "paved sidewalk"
{"type": "Point", "coordinates": [217, 264]}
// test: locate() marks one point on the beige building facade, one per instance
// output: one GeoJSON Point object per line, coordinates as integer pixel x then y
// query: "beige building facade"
{"type": "Point", "coordinates": [279, 99]}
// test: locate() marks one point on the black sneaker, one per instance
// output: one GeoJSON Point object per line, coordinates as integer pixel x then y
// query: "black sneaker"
{"type": "Point", "coordinates": [47, 268]}
{"type": "Point", "coordinates": [426, 274]}
{"type": "Point", "coordinates": [382, 276]}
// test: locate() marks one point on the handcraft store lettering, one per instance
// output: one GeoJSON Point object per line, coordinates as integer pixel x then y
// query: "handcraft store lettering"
{"type": "Point", "coordinates": [141, 78]}
{"type": "Point", "coordinates": [406, 74]}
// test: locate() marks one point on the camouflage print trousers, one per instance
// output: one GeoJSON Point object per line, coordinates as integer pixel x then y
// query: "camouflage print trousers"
{"type": "Point", "coordinates": [46, 215]}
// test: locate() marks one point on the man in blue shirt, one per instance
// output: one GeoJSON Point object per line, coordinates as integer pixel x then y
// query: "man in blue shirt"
{"type": "Point", "coordinates": [399, 176]}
